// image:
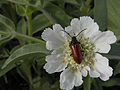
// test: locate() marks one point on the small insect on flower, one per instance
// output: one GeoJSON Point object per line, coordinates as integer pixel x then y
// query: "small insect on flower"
{"type": "Point", "coordinates": [75, 47]}
{"type": "Point", "coordinates": [76, 51]}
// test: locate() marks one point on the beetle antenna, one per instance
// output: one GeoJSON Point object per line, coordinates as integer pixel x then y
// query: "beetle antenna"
{"type": "Point", "coordinates": [81, 32]}
{"type": "Point", "coordinates": [67, 33]}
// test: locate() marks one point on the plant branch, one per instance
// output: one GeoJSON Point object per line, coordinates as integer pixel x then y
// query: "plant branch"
{"type": "Point", "coordinates": [87, 83]}
{"type": "Point", "coordinates": [29, 25]}
{"type": "Point", "coordinates": [29, 38]}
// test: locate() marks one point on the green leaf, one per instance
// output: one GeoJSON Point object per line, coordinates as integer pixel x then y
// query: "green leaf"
{"type": "Point", "coordinates": [112, 82]}
{"type": "Point", "coordinates": [7, 22]}
{"type": "Point", "coordinates": [6, 33]}
{"type": "Point", "coordinates": [16, 58]}
{"type": "Point", "coordinates": [39, 23]}
{"type": "Point", "coordinates": [6, 38]}
{"type": "Point", "coordinates": [22, 26]}
{"type": "Point", "coordinates": [1, 63]}
{"type": "Point", "coordinates": [20, 10]}
{"type": "Point", "coordinates": [25, 70]}
{"type": "Point", "coordinates": [106, 14]}
{"type": "Point", "coordinates": [8, 68]}
{"type": "Point", "coordinates": [40, 62]}
{"type": "Point", "coordinates": [36, 83]}
{"type": "Point", "coordinates": [55, 14]}
{"type": "Point", "coordinates": [27, 50]}
{"type": "Point", "coordinates": [97, 85]}
{"type": "Point", "coordinates": [51, 11]}
{"type": "Point", "coordinates": [100, 13]}
{"type": "Point", "coordinates": [2, 2]}
{"type": "Point", "coordinates": [29, 10]}
{"type": "Point", "coordinates": [72, 2]}
{"type": "Point", "coordinates": [18, 1]}
{"type": "Point", "coordinates": [7, 28]}
{"type": "Point", "coordinates": [113, 8]}
{"type": "Point", "coordinates": [117, 69]}
{"type": "Point", "coordinates": [85, 8]}
{"type": "Point", "coordinates": [114, 53]}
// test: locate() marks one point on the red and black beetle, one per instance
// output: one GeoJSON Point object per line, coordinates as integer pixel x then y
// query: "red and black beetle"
{"type": "Point", "coordinates": [75, 47]}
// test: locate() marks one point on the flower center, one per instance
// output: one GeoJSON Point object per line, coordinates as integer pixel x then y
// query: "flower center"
{"type": "Point", "coordinates": [87, 55]}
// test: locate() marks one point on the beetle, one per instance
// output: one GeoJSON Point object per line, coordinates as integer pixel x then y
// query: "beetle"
{"type": "Point", "coordinates": [77, 53]}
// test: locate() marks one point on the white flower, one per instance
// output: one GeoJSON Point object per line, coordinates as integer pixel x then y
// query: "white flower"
{"type": "Point", "coordinates": [92, 42]}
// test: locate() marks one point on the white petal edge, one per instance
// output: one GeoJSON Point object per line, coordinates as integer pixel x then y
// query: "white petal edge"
{"type": "Point", "coordinates": [70, 79]}
{"type": "Point", "coordinates": [102, 41]}
{"type": "Point", "coordinates": [54, 64]}
{"type": "Point", "coordinates": [53, 35]}
{"type": "Point", "coordinates": [84, 71]}
{"type": "Point", "coordinates": [50, 45]}
{"type": "Point", "coordinates": [75, 25]}
{"type": "Point", "coordinates": [101, 68]}
{"type": "Point", "coordinates": [106, 37]}
{"type": "Point", "coordinates": [91, 27]}
{"type": "Point", "coordinates": [102, 47]}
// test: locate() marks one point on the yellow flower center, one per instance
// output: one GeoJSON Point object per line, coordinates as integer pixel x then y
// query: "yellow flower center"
{"type": "Point", "coordinates": [87, 47]}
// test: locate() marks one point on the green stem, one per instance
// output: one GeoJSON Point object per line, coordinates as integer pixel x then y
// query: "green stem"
{"type": "Point", "coordinates": [35, 70]}
{"type": "Point", "coordinates": [118, 37]}
{"type": "Point", "coordinates": [31, 86]}
{"type": "Point", "coordinates": [3, 33]}
{"type": "Point", "coordinates": [87, 83]}
{"type": "Point", "coordinates": [29, 25]}
{"type": "Point", "coordinates": [29, 38]}
{"type": "Point", "coordinates": [24, 36]}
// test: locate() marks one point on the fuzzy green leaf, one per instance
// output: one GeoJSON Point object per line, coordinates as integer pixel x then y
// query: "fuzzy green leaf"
{"type": "Point", "coordinates": [39, 23]}
{"type": "Point", "coordinates": [6, 38]}
{"type": "Point", "coordinates": [22, 26]}
{"type": "Point", "coordinates": [25, 51]}
{"type": "Point", "coordinates": [7, 22]}
{"type": "Point", "coordinates": [113, 9]}
{"type": "Point", "coordinates": [97, 85]}
{"type": "Point", "coordinates": [20, 10]}
{"type": "Point", "coordinates": [25, 70]}
{"type": "Point", "coordinates": [112, 82]}
{"type": "Point", "coordinates": [117, 69]}
{"type": "Point", "coordinates": [114, 53]}
{"type": "Point", "coordinates": [55, 14]}
{"type": "Point", "coordinates": [100, 13]}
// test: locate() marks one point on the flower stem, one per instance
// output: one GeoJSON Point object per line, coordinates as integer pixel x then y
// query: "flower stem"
{"type": "Point", "coordinates": [87, 83]}
{"type": "Point", "coordinates": [29, 38]}
{"type": "Point", "coordinates": [3, 33]}
{"type": "Point", "coordinates": [29, 25]}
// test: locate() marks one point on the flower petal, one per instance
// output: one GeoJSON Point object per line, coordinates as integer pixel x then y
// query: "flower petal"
{"type": "Point", "coordinates": [94, 73]}
{"type": "Point", "coordinates": [69, 79]}
{"type": "Point", "coordinates": [102, 47]}
{"type": "Point", "coordinates": [75, 25]}
{"type": "Point", "coordinates": [50, 45]}
{"type": "Point", "coordinates": [106, 37]}
{"type": "Point", "coordinates": [54, 63]}
{"type": "Point", "coordinates": [57, 27]}
{"type": "Point", "coordinates": [90, 26]}
{"type": "Point", "coordinates": [69, 30]}
{"type": "Point", "coordinates": [105, 77]}
{"type": "Point", "coordinates": [58, 51]}
{"type": "Point", "coordinates": [78, 78]}
{"type": "Point", "coordinates": [52, 35]}
{"type": "Point", "coordinates": [103, 40]}
{"type": "Point", "coordinates": [84, 71]}
{"type": "Point", "coordinates": [101, 66]}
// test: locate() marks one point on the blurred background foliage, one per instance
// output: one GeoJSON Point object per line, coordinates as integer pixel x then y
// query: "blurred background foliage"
{"type": "Point", "coordinates": [22, 52]}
